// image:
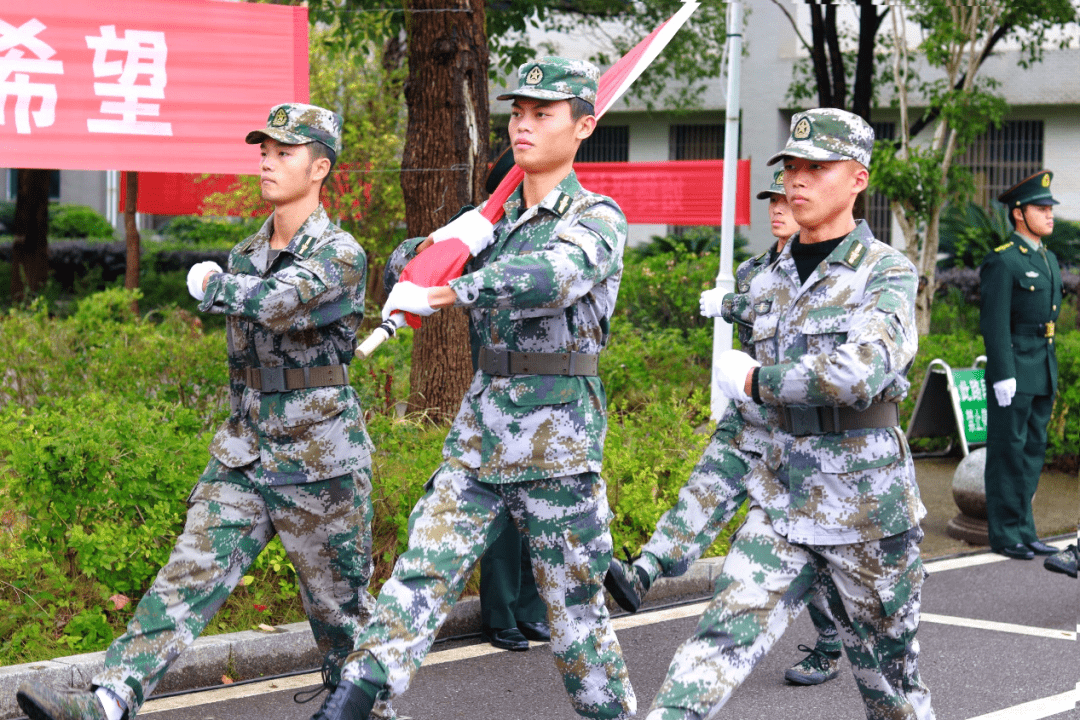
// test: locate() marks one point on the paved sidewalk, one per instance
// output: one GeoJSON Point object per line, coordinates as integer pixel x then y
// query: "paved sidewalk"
{"type": "Point", "coordinates": [290, 648]}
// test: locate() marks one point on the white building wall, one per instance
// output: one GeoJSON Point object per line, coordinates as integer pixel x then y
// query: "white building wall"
{"type": "Point", "coordinates": [1061, 148]}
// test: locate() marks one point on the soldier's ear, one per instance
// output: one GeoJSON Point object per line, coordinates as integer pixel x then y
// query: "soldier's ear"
{"type": "Point", "coordinates": [861, 176]}
{"type": "Point", "coordinates": [585, 126]}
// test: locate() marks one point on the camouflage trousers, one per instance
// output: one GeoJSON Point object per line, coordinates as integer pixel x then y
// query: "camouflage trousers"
{"type": "Point", "coordinates": [873, 590]}
{"type": "Point", "coordinates": [325, 528]}
{"type": "Point", "coordinates": [565, 523]}
{"type": "Point", "coordinates": [706, 503]}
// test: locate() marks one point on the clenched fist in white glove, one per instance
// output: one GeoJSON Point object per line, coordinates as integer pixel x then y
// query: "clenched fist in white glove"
{"type": "Point", "coordinates": [471, 228]}
{"type": "Point", "coordinates": [732, 368]}
{"type": "Point", "coordinates": [407, 297]}
{"type": "Point", "coordinates": [1004, 390]}
{"type": "Point", "coordinates": [197, 276]}
{"type": "Point", "coordinates": [711, 302]}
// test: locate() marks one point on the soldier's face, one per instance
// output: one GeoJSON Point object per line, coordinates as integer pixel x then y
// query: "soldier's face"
{"type": "Point", "coordinates": [287, 172]}
{"type": "Point", "coordinates": [543, 136]}
{"type": "Point", "coordinates": [821, 191]}
{"type": "Point", "coordinates": [781, 219]}
{"type": "Point", "coordinates": [1039, 219]}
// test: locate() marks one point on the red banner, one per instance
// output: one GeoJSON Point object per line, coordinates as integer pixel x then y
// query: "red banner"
{"type": "Point", "coordinates": [683, 192]}
{"type": "Point", "coordinates": [148, 85]}
{"type": "Point", "coordinates": [678, 192]}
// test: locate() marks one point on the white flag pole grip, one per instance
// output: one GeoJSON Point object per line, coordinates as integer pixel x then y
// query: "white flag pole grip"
{"type": "Point", "coordinates": [381, 334]}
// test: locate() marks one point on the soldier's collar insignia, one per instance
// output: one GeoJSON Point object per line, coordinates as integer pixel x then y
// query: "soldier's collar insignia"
{"type": "Point", "coordinates": [562, 204]}
{"type": "Point", "coordinates": [855, 254]}
{"type": "Point", "coordinates": [803, 130]}
{"type": "Point", "coordinates": [305, 243]}
{"type": "Point", "coordinates": [280, 119]}
{"type": "Point", "coordinates": [1046, 180]}
{"type": "Point", "coordinates": [246, 246]}
{"type": "Point", "coordinates": [1006, 246]}
{"type": "Point", "coordinates": [535, 76]}
{"type": "Point", "coordinates": [763, 307]}
{"type": "Point", "coordinates": [1023, 249]}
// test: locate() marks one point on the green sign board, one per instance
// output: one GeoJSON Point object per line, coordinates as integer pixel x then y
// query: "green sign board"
{"type": "Point", "coordinates": [971, 392]}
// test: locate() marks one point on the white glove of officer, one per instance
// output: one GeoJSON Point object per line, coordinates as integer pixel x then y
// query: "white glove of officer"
{"type": "Point", "coordinates": [197, 274]}
{"type": "Point", "coordinates": [407, 297]}
{"type": "Point", "coordinates": [1004, 390]}
{"type": "Point", "coordinates": [471, 228]}
{"type": "Point", "coordinates": [732, 368]}
{"type": "Point", "coordinates": [711, 302]}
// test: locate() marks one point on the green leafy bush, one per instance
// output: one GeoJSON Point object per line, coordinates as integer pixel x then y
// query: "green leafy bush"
{"type": "Point", "coordinates": [77, 221]}
{"type": "Point", "coordinates": [210, 232]}
{"type": "Point", "coordinates": [661, 291]}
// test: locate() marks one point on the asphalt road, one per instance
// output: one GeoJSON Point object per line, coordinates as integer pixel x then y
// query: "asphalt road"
{"type": "Point", "coordinates": [998, 642]}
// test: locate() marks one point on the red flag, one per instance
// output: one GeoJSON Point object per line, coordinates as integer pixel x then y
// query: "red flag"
{"type": "Point", "coordinates": [442, 262]}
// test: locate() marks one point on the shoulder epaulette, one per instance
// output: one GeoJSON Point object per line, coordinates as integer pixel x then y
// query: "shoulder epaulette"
{"type": "Point", "coordinates": [1006, 246]}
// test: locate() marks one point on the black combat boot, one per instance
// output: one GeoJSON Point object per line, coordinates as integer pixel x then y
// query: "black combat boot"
{"type": "Point", "coordinates": [347, 702]}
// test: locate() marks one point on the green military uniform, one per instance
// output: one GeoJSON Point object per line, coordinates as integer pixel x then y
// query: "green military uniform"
{"type": "Point", "coordinates": [1021, 298]}
{"type": "Point", "coordinates": [527, 444]}
{"type": "Point", "coordinates": [508, 594]}
{"type": "Point", "coordinates": [293, 459]}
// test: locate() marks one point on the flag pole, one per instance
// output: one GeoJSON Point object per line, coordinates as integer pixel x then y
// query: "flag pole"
{"type": "Point", "coordinates": [725, 280]}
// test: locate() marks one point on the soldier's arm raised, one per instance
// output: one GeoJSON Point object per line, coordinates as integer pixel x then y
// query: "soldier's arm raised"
{"type": "Point", "coordinates": [880, 345]}
{"type": "Point", "coordinates": [312, 292]}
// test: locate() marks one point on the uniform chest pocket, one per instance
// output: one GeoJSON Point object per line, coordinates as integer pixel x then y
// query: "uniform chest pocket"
{"type": "Point", "coordinates": [1032, 281]}
{"type": "Point", "coordinates": [826, 328]}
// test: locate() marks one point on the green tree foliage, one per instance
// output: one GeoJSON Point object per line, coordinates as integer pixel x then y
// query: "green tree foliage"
{"type": "Point", "coordinates": [694, 55]}
{"type": "Point", "coordinates": [920, 178]}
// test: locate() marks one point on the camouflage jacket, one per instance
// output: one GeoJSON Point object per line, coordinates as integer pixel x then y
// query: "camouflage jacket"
{"type": "Point", "coordinates": [846, 337]}
{"type": "Point", "coordinates": [300, 309]}
{"type": "Point", "coordinates": [547, 283]}
{"type": "Point", "coordinates": [737, 308]}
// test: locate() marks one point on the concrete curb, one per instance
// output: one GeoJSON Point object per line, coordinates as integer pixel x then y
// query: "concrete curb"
{"type": "Point", "coordinates": [290, 648]}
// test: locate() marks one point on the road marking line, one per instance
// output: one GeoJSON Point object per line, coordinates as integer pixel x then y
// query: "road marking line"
{"type": "Point", "coordinates": [933, 566]}
{"type": "Point", "coordinates": [228, 692]}
{"type": "Point", "coordinates": [998, 626]}
{"type": "Point", "coordinates": [1036, 709]}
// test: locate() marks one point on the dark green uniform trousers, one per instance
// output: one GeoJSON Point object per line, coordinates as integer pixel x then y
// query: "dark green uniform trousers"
{"type": "Point", "coordinates": [1015, 452]}
{"type": "Point", "coordinates": [507, 589]}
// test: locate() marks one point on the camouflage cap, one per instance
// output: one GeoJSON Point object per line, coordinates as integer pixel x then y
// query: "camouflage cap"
{"type": "Point", "coordinates": [299, 124]}
{"type": "Point", "coordinates": [828, 134]}
{"type": "Point", "coordinates": [777, 187]}
{"type": "Point", "coordinates": [556, 78]}
{"type": "Point", "coordinates": [1034, 190]}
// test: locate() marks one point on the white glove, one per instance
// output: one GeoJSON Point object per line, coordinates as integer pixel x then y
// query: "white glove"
{"type": "Point", "coordinates": [197, 274]}
{"type": "Point", "coordinates": [732, 368]}
{"type": "Point", "coordinates": [1004, 391]}
{"type": "Point", "coordinates": [711, 301]}
{"type": "Point", "coordinates": [471, 228]}
{"type": "Point", "coordinates": [407, 297]}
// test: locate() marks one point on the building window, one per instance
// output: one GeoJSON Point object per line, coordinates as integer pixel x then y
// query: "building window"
{"type": "Point", "coordinates": [1002, 157]}
{"type": "Point", "coordinates": [13, 184]}
{"type": "Point", "coordinates": [608, 143]}
{"type": "Point", "coordinates": [878, 215]}
{"type": "Point", "coordinates": [696, 142]}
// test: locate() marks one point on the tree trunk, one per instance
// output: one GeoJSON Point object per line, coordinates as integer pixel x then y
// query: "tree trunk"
{"type": "Point", "coordinates": [444, 166]}
{"type": "Point", "coordinates": [131, 233]}
{"type": "Point", "coordinates": [30, 246]}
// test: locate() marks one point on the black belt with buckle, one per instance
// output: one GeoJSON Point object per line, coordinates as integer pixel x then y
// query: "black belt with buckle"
{"type": "Point", "coordinates": [1036, 329]}
{"type": "Point", "coordinates": [800, 421]}
{"type": "Point", "coordinates": [279, 379]}
{"type": "Point", "coordinates": [508, 362]}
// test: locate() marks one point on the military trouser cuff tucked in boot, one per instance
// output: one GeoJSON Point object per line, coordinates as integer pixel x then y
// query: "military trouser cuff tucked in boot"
{"type": "Point", "coordinates": [650, 565]}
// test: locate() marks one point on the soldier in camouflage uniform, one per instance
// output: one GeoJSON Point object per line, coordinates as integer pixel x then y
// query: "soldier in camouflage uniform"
{"type": "Point", "coordinates": [834, 498]}
{"type": "Point", "coordinates": [527, 444]}
{"type": "Point", "coordinates": [715, 489]}
{"type": "Point", "coordinates": [293, 458]}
